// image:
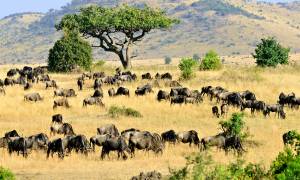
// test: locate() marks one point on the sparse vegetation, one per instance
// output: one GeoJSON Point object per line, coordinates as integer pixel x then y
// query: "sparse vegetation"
{"type": "Point", "coordinates": [234, 126]}
{"type": "Point", "coordinates": [186, 67]}
{"type": "Point", "coordinates": [116, 111]}
{"type": "Point", "coordinates": [196, 57]}
{"type": "Point", "coordinates": [68, 52]}
{"type": "Point", "coordinates": [6, 174]}
{"type": "Point", "coordinates": [211, 61]}
{"type": "Point", "coordinates": [270, 53]}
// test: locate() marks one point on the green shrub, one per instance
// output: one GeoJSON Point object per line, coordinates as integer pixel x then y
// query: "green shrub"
{"type": "Point", "coordinates": [234, 126]}
{"type": "Point", "coordinates": [196, 57]}
{"type": "Point", "coordinates": [6, 174]}
{"type": "Point", "coordinates": [270, 53]}
{"type": "Point", "coordinates": [168, 60]}
{"type": "Point", "coordinates": [68, 52]}
{"type": "Point", "coordinates": [211, 61]}
{"type": "Point", "coordinates": [186, 67]}
{"type": "Point", "coordinates": [115, 111]}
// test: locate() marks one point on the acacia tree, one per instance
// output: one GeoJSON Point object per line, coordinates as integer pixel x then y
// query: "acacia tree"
{"type": "Point", "coordinates": [118, 28]}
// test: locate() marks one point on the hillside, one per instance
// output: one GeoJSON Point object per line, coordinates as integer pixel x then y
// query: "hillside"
{"type": "Point", "coordinates": [229, 26]}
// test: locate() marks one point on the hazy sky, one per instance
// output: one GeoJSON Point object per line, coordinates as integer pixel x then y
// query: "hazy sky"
{"type": "Point", "coordinates": [16, 6]}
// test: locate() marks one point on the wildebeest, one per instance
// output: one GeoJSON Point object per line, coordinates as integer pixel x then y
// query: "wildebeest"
{"type": "Point", "coordinates": [12, 133]}
{"type": "Point", "coordinates": [56, 146]}
{"type": "Point", "coordinates": [61, 102]}
{"type": "Point", "coordinates": [51, 84]}
{"type": "Point", "coordinates": [142, 90]}
{"type": "Point", "coordinates": [258, 106]}
{"type": "Point", "coordinates": [98, 75]}
{"type": "Point", "coordinates": [61, 128]}
{"type": "Point", "coordinates": [27, 86]}
{"type": "Point", "coordinates": [205, 90]}
{"type": "Point", "coordinates": [286, 99]}
{"type": "Point", "coordinates": [17, 144]}
{"type": "Point", "coordinates": [169, 136]}
{"type": "Point", "coordinates": [98, 93]}
{"type": "Point", "coordinates": [178, 100]}
{"type": "Point", "coordinates": [111, 92]}
{"type": "Point", "coordinates": [217, 140]}
{"type": "Point", "coordinates": [8, 82]}
{"type": "Point", "coordinates": [37, 142]}
{"type": "Point", "coordinates": [122, 91]}
{"type": "Point", "coordinates": [146, 76]}
{"type": "Point", "coordinates": [65, 92]}
{"type": "Point", "coordinates": [97, 84]}
{"type": "Point", "coordinates": [93, 101]}
{"type": "Point", "coordinates": [33, 97]}
{"type": "Point", "coordinates": [44, 77]}
{"type": "Point", "coordinates": [2, 91]}
{"type": "Point", "coordinates": [108, 129]}
{"type": "Point", "coordinates": [215, 111]}
{"type": "Point", "coordinates": [115, 144]}
{"type": "Point", "coordinates": [145, 141]}
{"type": "Point", "coordinates": [224, 109]}
{"type": "Point", "coordinates": [1, 83]}
{"type": "Point", "coordinates": [188, 137]}
{"type": "Point", "coordinates": [234, 143]}
{"type": "Point", "coordinates": [127, 133]}
{"type": "Point", "coordinates": [57, 118]}
{"type": "Point", "coordinates": [248, 95]}
{"type": "Point", "coordinates": [98, 140]}
{"type": "Point", "coordinates": [166, 76]}
{"type": "Point", "coordinates": [277, 108]}
{"type": "Point", "coordinates": [180, 91]}
{"type": "Point", "coordinates": [12, 72]}
{"type": "Point", "coordinates": [234, 99]}
{"type": "Point", "coordinates": [162, 95]}
{"type": "Point", "coordinates": [172, 84]}
{"type": "Point", "coordinates": [80, 83]}
{"type": "Point", "coordinates": [79, 143]}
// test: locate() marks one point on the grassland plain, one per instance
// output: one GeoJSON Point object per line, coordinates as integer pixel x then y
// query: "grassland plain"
{"type": "Point", "coordinates": [32, 118]}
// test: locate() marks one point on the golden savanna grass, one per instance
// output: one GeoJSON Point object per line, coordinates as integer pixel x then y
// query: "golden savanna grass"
{"type": "Point", "coordinates": [31, 118]}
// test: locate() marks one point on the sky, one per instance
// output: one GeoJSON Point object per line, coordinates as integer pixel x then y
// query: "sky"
{"type": "Point", "coordinates": [18, 6]}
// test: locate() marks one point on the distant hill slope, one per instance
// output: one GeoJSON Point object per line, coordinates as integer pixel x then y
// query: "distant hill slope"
{"type": "Point", "coordinates": [228, 26]}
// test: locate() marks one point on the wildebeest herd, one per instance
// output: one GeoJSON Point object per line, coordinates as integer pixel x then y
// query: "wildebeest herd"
{"type": "Point", "coordinates": [128, 141]}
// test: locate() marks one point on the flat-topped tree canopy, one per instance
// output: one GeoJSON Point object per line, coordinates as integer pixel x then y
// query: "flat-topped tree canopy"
{"type": "Point", "coordinates": [117, 28]}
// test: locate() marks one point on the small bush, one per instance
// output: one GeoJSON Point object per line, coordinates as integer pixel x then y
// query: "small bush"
{"type": "Point", "coordinates": [186, 67]}
{"type": "Point", "coordinates": [270, 53]}
{"type": "Point", "coordinates": [115, 111]}
{"type": "Point", "coordinates": [196, 57]}
{"type": "Point", "coordinates": [234, 126]}
{"type": "Point", "coordinates": [6, 174]}
{"type": "Point", "coordinates": [168, 60]}
{"type": "Point", "coordinates": [211, 61]}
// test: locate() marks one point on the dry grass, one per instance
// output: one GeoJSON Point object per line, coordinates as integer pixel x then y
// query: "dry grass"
{"type": "Point", "coordinates": [32, 118]}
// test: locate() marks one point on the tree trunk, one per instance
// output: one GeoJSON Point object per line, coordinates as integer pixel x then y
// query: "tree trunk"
{"type": "Point", "coordinates": [125, 58]}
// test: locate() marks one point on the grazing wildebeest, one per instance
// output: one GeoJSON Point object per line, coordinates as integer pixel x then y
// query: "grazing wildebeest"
{"type": "Point", "coordinates": [145, 141]}
{"type": "Point", "coordinates": [157, 76]}
{"type": "Point", "coordinates": [188, 137]}
{"type": "Point", "coordinates": [98, 75]}
{"type": "Point", "coordinates": [127, 133]}
{"type": "Point", "coordinates": [37, 142]}
{"type": "Point", "coordinates": [111, 92]}
{"type": "Point", "coordinates": [10, 134]}
{"type": "Point", "coordinates": [277, 108]}
{"type": "Point", "coordinates": [166, 76]}
{"type": "Point", "coordinates": [2, 91]}
{"type": "Point", "coordinates": [61, 128]}
{"type": "Point", "coordinates": [162, 95]}
{"type": "Point", "coordinates": [59, 92]}
{"type": "Point", "coordinates": [122, 91]}
{"type": "Point", "coordinates": [295, 103]}
{"type": "Point", "coordinates": [205, 90]}
{"type": "Point", "coordinates": [44, 77]}
{"type": "Point", "coordinates": [108, 129]}
{"type": "Point", "coordinates": [79, 143]}
{"type": "Point", "coordinates": [98, 140]}
{"type": "Point", "coordinates": [169, 136]}
{"type": "Point", "coordinates": [51, 84]}
{"type": "Point", "coordinates": [259, 106]}
{"type": "Point", "coordinates": [215, 111]}
{"type": "Point", "coordinates": [93, 101]}
{"type": "Point", "coordinates": [224, 109]}
{"type": "Point", "coordinates": [115, 144]}
{"type": "Point", "coordinates": [61, 102]}
{"type": "Point", "coordinates": [70, 93]}
{"type": "Point", "coordinates": [286, 99]}
{"type": "Point", "coordinates": [248, 95]}
{"type": "Point", "coordinates": [234, 99]}
{"type": "Point", "coordinates": [142, 90]}
{"type": "Point", "coordinates": [56, 146]}
{"type": "Point", "coordinates": [27, 86]}
{"type": "Point", "coordinates": [57, 118]}
{"type": "Point", "coordinates": [8, 82]}
{"type": "Point", "coordinates": [179, 91]}
{"type": "Point", "coordinates": [146, 76]}
{"type": "Point", "coordinates": [80, 83]}
{"type": "Point", "coordinates": [217, 140]}
{"type": "Point", "coordinates": [235, 143]}
{"type": "Point", "coordinates": [17, 144]}
{"type": "Point", "coordinates": [12, 72]}
{"type": "Point", "coordinates": [97, 84]}
{"type": "Point", "coordinates": [33, 97]}
{"type": "Point", "coordinates": [98, 93]}
{"type": "Point", "coordinates": [178, 100]}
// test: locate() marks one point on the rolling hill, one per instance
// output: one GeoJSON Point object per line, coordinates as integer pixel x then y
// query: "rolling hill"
{"type": "Point", "coordinates": [231, 27]}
